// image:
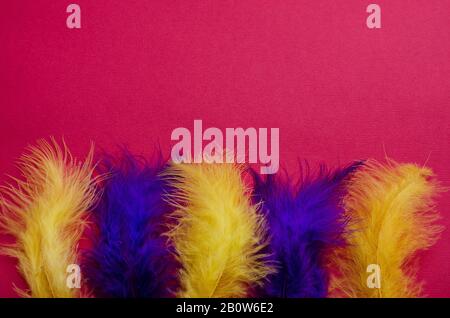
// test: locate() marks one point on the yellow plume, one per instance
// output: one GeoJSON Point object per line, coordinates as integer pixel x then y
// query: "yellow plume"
{"type": "Point", "coordinates": [45, 215]}
{"type": "Point", "coordinates": [394, 217]}
{"type": "Point", "coordinates": [219, 235]}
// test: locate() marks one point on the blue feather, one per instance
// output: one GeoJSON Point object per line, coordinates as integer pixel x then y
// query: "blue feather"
{"type": "Point", "coordinates": [304, 220]}
{"type": "Point", "coordinates": [129, 257]}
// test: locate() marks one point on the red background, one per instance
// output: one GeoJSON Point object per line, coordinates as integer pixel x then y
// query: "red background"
{"type": "Point", "coordinates": [138, 69]}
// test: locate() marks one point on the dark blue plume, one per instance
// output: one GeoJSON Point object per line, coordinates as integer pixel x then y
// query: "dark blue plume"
{"type": "Point", "coordinates": [304, 220]}
{"type": "Point", "coordinates": [129, 256]}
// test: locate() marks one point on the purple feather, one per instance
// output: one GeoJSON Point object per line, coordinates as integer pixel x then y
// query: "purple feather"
{"type": "Point", "coordinates": [304, 221]}
{"type": "Point", "coordinates": [129, 257]}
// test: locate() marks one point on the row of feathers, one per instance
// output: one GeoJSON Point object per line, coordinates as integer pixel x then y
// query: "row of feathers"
{"type": "Point", "coordinates": [158, 229]}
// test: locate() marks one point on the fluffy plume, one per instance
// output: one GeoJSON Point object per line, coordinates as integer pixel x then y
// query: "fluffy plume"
{"type": "Point", "coordinates": [219, 235]}
{"type": "Point", "coordinates": [393, 218]}
{"type": "Point", "coordinates": [129, 257]}
{"type": "Point", "coordinates": [304, 221]}
{"type": "Point", "coordinates": [45, 215]}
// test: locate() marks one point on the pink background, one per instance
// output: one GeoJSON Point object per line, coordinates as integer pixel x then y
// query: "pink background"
{"type": "Point", "coordinates": [138, 69]}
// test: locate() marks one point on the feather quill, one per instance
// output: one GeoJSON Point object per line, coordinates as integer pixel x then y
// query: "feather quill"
{"type": "Point", "coordinates": [304, 220]}
{"type": "Point", "coordinates": [45, 213]}
{"type": "Point", "coordinates": [129, 256]}
{"type": "Point", "coordinates": [393, 217]}
{"type": "Point", "coordinates": [219, 235]}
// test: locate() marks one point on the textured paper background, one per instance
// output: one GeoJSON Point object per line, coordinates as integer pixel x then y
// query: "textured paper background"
{"type": "Point", "coordinates": [138, 69]}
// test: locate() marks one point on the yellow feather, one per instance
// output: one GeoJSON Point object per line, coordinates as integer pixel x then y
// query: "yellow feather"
{"type": "Point", "coordinates": [393, 217]}
{"type": "Point", "coordinates": [218, 235]}
{"type": "Point", "coordinates": [45, 215]}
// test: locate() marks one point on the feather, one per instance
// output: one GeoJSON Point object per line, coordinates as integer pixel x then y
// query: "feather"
{"type": "Point", "coordinates": [129, 257]}
{"type": "Point", "coordinates": [219, 235]}
{"type": "Point", "coordinates": [304, 221]}
{"type": "Point", "coordinates": [393, 218]}
{"type": "Point", "coordinates": [45, 214]}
